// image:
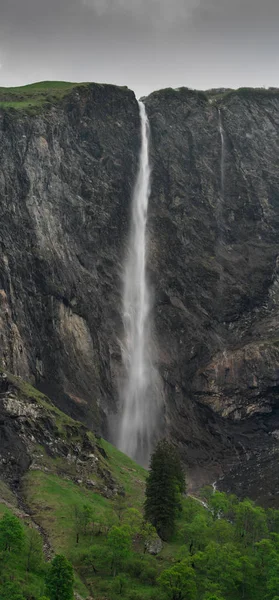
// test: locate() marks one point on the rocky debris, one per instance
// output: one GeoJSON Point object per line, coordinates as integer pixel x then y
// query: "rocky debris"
{"type": "Point", "coordinates": [90, 483]}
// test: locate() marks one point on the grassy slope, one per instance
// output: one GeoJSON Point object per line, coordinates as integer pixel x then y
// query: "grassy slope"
{"type": "Point", "coordinates": [53, 499]}
{"type": "Point", "coordinates": [35, 95]}
{"type": "Point", "coordinates": [30, 582]}
{"type": "Point", "coordinates": [52, 489]}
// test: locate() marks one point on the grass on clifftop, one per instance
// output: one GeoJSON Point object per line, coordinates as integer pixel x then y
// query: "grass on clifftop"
{"type": "Point", "coordinates": [35, 95]}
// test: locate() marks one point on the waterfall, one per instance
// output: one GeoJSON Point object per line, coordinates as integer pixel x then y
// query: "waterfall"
{"type": "Point", "coordinates": [220, 202]}
{"type": "Point", "coordinates": [140, 394]}
{"type": "Point", "coordinates": [222, 166]}
{"type": "Point", "coordinates": [220, 242]}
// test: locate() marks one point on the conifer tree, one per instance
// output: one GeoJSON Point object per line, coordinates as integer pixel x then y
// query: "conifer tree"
{"type": "Point", "coordinates": [164, 485]}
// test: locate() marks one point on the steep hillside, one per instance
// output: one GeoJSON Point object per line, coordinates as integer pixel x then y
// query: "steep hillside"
{"type": "Point", "coordinates": [51, 467]}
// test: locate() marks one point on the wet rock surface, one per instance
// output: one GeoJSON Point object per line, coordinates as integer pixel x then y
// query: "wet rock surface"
{"type": "Point", "coordinates": [66, 177]}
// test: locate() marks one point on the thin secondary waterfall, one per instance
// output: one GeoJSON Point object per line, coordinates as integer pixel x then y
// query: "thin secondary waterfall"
{"type": "Point", "coordinates": [140, 390]}
{"type": "Point", "coordinates": [220, 217]}
{"type": "Point", "coordinates": [221, 130]}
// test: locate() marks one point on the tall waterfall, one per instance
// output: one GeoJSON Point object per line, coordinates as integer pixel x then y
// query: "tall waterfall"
{"type": "Point", "coordinates": [140, 395]}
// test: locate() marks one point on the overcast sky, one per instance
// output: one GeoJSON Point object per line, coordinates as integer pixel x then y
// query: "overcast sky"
{"type": "Point", "coordinates": [145, 44]}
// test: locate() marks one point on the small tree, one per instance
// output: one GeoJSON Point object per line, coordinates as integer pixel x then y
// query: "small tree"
{"type": "Point", "coordinates": [11, 534]}
{"type": "Point", "coordinates": [218, 503]}
{"type": "Point", "coordinates": [196, 533]}
{"type": "Point", "coordinates": [33, 551]}
{"type": "Point", "coordinates": [11, 591]}
{"type": "Point", "coordinates": [119, 540]}
{"type": "Point", "coordinates": [250, 523]}
{"type": "Point", "coordinates": [133, 519]}
{"type": "Point", "coordinates": [179, 582]}
{"type": "Point", "coordinates": [163, 489]}
{"type": "Point", "coordinates": [97, 558]}
{"type": "Point", "coordinates": [60, 579]}
{"type": "Point", "coordinates": [120, 584]}
{"type": "Point", "coordinates": [83, 516]}
{"type": "Point", "coordinates": [120, 507]}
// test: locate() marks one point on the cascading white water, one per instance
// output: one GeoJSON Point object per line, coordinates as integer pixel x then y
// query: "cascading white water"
{"type": "Point", "coordinates": [140, 394]}
{"type": "Point", "coordinates": [220, 205]}
{"type": "Point", "coordinates": [221, 130]}
{"type": "Point", "coordinates": [221, 225]}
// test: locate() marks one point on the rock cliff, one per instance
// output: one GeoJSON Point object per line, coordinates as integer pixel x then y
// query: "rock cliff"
{"type": "Point", "coordinates": [67, 169]}
{"type": "Point", "coordinates": [66, 174]}
{"type": "Point", "coordinates": [214, 263]}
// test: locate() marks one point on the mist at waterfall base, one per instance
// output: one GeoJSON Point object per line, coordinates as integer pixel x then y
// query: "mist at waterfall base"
{"type": "Point", "coordinates": [140, 395]}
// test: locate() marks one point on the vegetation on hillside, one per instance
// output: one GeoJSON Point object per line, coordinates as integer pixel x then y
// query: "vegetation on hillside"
{"type": "Point", "coordinates": [217, 549]}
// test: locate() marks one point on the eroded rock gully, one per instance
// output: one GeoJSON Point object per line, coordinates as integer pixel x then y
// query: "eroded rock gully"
{"type": "Point", "coordinates": [66, 176]}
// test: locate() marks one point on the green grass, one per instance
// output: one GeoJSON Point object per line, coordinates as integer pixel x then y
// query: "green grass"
{"type": "Point", "coordinates": [31, 583]}
{"type": "Point", "coordinates": [53, 500]}
{"type": "Point", "coordinates": [129, 474]}
{"type": "Point", "coordinates": [32, 97]}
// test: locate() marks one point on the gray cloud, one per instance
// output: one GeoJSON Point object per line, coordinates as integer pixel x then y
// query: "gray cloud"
{"type": "Point", "coordinates": [159, 13]}
{"type": "Point", "coordinates": [145, 44]}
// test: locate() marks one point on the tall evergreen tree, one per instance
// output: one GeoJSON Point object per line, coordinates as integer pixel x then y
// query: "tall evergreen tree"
{"type": "Point", "coordinates": [164, 485]}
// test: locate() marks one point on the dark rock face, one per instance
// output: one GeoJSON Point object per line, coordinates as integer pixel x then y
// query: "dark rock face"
{"type": "Point", "coordinates": [214, 264]}
{"type": "Point", "coordinates": [66, 177]}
